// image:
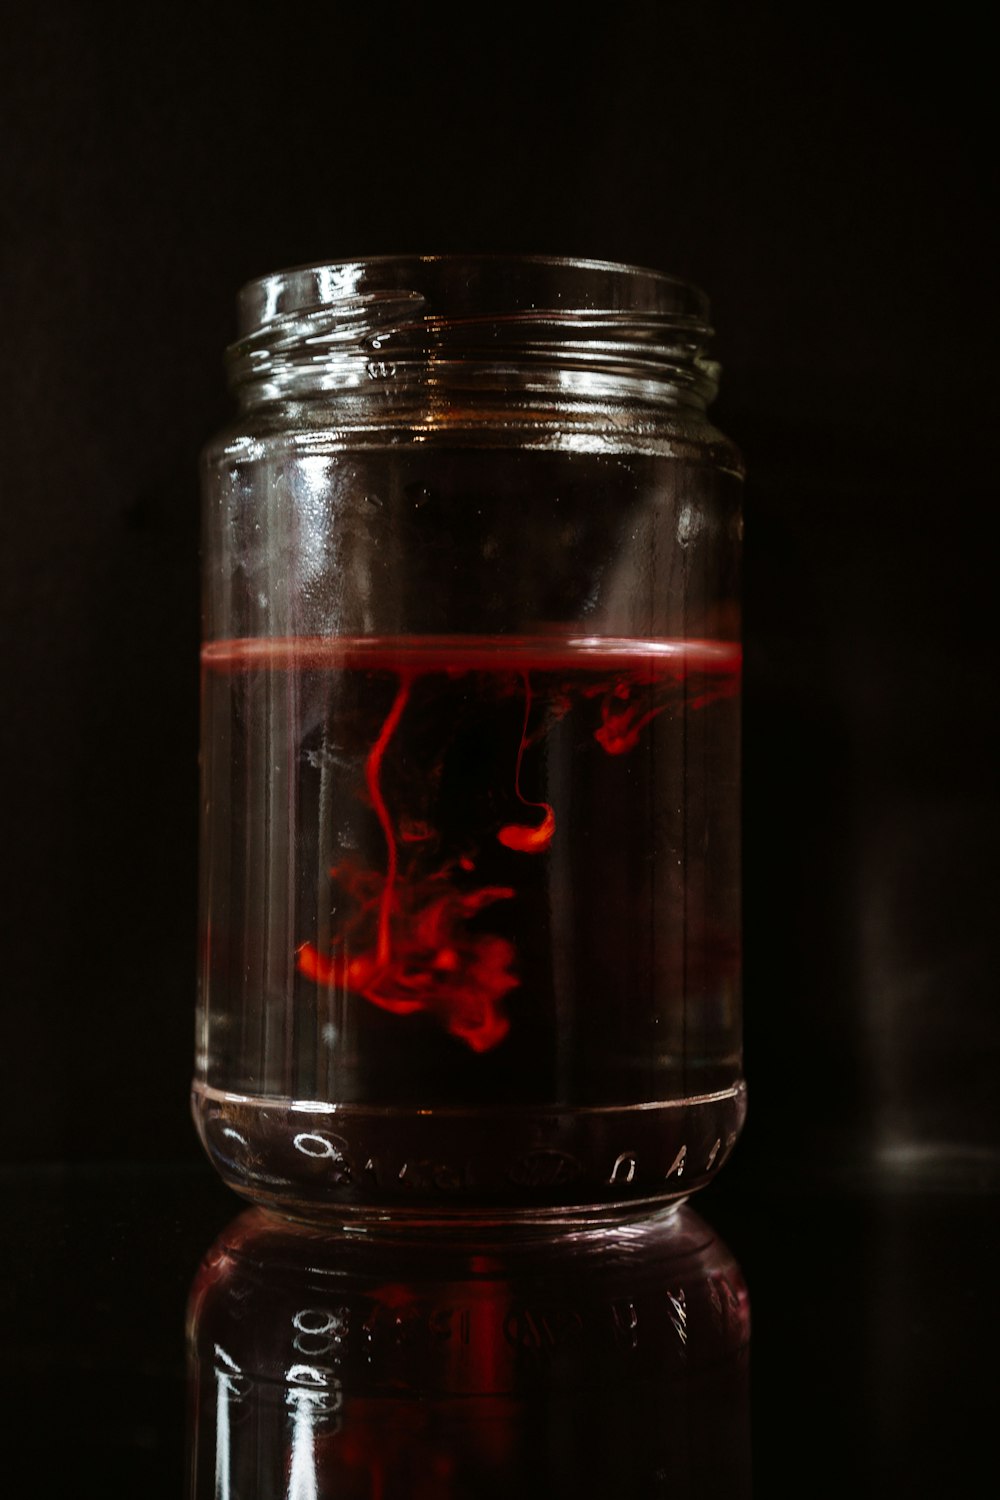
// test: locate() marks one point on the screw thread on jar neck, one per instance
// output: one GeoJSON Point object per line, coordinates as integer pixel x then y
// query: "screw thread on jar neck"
{"type": "Point", "coordinates": [473, 329]}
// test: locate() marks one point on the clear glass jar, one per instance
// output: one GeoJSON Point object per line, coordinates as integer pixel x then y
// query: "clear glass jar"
{"type": "Point", "coordinates": [470, 867]}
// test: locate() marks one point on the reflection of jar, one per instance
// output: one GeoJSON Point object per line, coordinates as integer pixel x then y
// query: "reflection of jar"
{"type": "Point", "coordinates": [470, 935]}
{"type": "Point", "coordinates": [612, 1362]}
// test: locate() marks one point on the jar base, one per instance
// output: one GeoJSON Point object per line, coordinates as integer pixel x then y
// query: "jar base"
{"type": "Point", "coordinates": [363, 1163]}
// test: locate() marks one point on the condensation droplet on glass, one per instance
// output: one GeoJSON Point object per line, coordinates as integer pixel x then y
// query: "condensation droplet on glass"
{"type": "Point", "coordinates": [689, 524]}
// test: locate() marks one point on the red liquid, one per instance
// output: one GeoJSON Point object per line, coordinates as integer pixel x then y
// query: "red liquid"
{"type": "Point", "coordinates": [458, 873]}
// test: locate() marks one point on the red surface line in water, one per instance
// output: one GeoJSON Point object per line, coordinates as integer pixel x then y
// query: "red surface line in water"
{"type": "Point", "coordinates": [373, 770]}
{"type": "Point", "coordinates": [520, 836]}
{"type": "Point", "coordinates": [657, 659]}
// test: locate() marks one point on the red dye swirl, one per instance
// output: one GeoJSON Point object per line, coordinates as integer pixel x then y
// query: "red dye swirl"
{"type": "Point", "coordinates": [430, 960]}
{"type": "Point", "coordinates": [525, 839]}
{"type": "Point", "coordinates": [409, 945]}
{"type": "Point", "coordinates": [423, 957]}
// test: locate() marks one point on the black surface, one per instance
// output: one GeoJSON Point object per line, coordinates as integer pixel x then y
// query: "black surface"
{"type": "Point", "coordinates": [826, 176]}
{"type": "Point", "coordinates": [872, 1358]}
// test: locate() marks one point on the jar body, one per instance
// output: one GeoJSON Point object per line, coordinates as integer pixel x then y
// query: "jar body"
{"type": "Point", "coordinates": [470, 872]}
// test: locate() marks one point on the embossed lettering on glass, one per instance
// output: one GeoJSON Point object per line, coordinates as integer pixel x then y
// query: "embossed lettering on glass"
{"type": "Point", "coordinates": [470, 756]}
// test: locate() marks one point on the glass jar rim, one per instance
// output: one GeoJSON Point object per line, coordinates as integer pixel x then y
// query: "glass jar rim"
{"type": "Point", "coordinates": [478, 285]}
{"type": "Point", "coordinates": [501, 326]}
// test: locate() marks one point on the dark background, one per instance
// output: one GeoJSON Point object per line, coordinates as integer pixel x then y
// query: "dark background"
{"type": "Point", "coordinates": [825, 180]}
{"type": "Point", "coordinates": [825, 174]}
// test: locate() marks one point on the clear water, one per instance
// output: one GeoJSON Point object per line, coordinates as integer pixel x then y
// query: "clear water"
{"type": "Point", "coordinates": [471, 930]}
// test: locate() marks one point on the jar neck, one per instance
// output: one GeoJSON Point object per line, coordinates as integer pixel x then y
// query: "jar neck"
{"type": "Point", "coordinates": [471, 332]}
